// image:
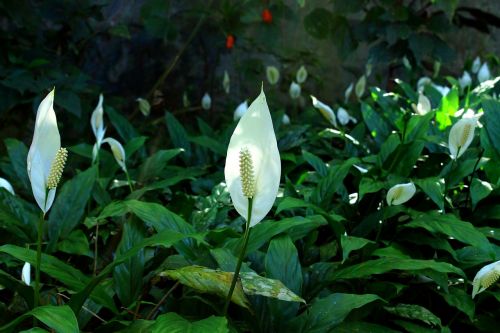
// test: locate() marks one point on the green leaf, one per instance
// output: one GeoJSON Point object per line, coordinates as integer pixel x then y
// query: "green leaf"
{"type": "Point", "coordinates": [254, 284]}
{"type": "Point", "coordinates": [479, 190]}
{"type": "Point", "coordinates": [16, 218]}
{"type": "Point", "coordinates": [75, 243]}
{"type": "Point", "coordinates": [70, 205]}
{"type": "Point", "coordinates": [402, 161]}
{"type": "Point", "coordinates": [128, 275]}
{"type": "Point", "coordinates": [450, 225]}
{"type": "Point", "coordinates": [18, 153]}
{"type": "Point", "coordinates": [178, 135]}
{"type": "Point", "coordinates": [214, 145]}
{"type": "Point", "coordinates": [449, 105]}
{"type": "Point", "coordinates": [206, 280]}
{"type": "Point", "coordinates": [282, 263]}
{"type": "Point", "coordinates": [434, 188]}
{"type": "Point", "coordinates": [387, 264]}
{"type": "Point", "coordinates": [368, 185]}
{"type": "Point", "coordinates": [296, 227]}
{"type": "Point", "coordinates": [69, 101]}
{"type": "Point", "coordinates": [124, 128]}
{"type": "Point", "coordinates": [154, 164]}
{"type": "Point", "coordinates": [413, 311]}
{"type": "Point", "coordinates": [59, 318]}
{"type": "Point", "coordinates": [317, 23]}
{"type": "Point", "coordinates": [491, 121]}
{"type": "Point", "coordinates": [350, 243]}
{"type": "Point", "coordinates": [328, 312]}
{"type": "Point", "coordinates": [460, 299]}
{"type": "Point", "coordinates": [68, 275]}
{"type": "Point", "coordinates": [316, 163]}
{"type": "Point", "coordinates": [362, 327]}
{"type": "Point", "coordinates": [173, 323]}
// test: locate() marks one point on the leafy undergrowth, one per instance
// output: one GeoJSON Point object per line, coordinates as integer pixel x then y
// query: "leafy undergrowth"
{"type": "Point", "coordinates": [332, 255]}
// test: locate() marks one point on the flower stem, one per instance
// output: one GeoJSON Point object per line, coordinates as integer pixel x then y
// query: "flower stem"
{"type": "Point", "coordinates": [129, 181]}
{"type": "Point", "coordinates": [36, 300]}
{"type": "Point", "coordinates": [240, 259]}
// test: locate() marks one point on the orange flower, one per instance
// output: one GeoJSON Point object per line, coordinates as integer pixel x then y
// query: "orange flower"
{"type": "Point", "coordinates": [267, 17]}
{"type": "Point", "coordinates": [229, 41]}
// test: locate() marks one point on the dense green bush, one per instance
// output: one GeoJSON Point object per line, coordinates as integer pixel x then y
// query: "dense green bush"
{"type": "Point", "coordinates": [150, 244]}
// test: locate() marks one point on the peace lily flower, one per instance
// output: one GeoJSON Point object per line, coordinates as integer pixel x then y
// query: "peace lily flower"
{"type": "Point", "coordinates": [406, 63]}
{"type": "Point", "coordinates": [443, 90]}
{"type": "Point", "coordinates": [461, 135]}
{"type": "Point", "coordinates": [422, 82]}
{"type": "Point", "coordinates": [253, 167]}
{"type": "Point", "coordinates": [285, 120]}
{"type": "Point", "coordinates": [348, 92]}
{"type": "Point", "coordinates": [206, 102]}
{"type": "Point", "coordinates": [465, 80]}
{"type": "Point", "coordinates": [226, 83]}
{"type": "Point", "coordinates": [368, 69]}
{"type": "Point", "coordinates": [118, 152]}
{"type": "Point", "coordinates": [97, 124]}
{"type": "Point", "coordinates": [325, 110]}
{"type": "Point", "coordinates": [301, 75]}
{"type": "Point", "coordinates": [272, 74]}
{"type": "Point", "coordinates": [144, 106]}
{"type": "Point", "coordinates": [240, 110]}
{"type": "Point", "coordinates": [344, 117]}
{"type": "Point", "coordinates": [484, 73]}
{"type": "Point", "coordinates": [486, 276]}
{"type": "Point", "coordinates": [476, 64]}
{"type": "Point", "coordinates": [294, 90]}
{"type": "Point", "coordinates": [46, 158]}
{"type": "Point", "coordinates": [26, 273]}
{"type": "Point", "coordinates": [6, 185]}
{"type": "Point", "coordinates": [423, 106]}
{"type": "Point", "coordinates": [359, 89]}
{"type": "Point", "coordinates": [401, 193]}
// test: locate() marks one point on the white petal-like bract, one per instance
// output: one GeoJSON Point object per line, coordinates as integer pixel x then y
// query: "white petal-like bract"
{"type": "Point", "coordinates": [272, 74]}
{"type": "Point", "coordinates": [294, 90]}
{"type": "Point", "coordinates": [348, 92]}
{"type": "Point", "coordinates": [422, 82]}
{"type": "Point", "coordinates": [26, 273]}
{"type": "Point", "coordinates": [4, 183]}
{"type": "Point", "coordinates": [240, 110]}
{"type": "Point", "coordinates": [226, 82]}
{"type": "Point", "coordinates": [118, 152]}
{"type": "Point", "coordinates": [401, 193]}
{"type": "Point", "coordinates": [461, 135]}
{"type": "Point", "coordinates": [423, 105]}
{"type": "Point", "coordinates": [465, 80]}
{"type": "Point", "coordinates": [325, 110]}
{"type": "Point", "coordinates": [344, 117]}
{"type": "Point", "coordinates": [206, 102]}
{"type": "Point", "coordinates": [255, 136]}
{"type": "Point", "coordinates": [97, 121]}
{"type": "Point", "coordinates": [46, 142]}
{"type": "Point", "coordinates": [301, 75]}
{"type": "Point", "coordinates": [476, 64]}
{"type": "Point", "coordinates": [359, 89]}
{"type": "Point", "coordinates": [484, 73]}
{"type": "Point", "coordinates": [486, 276]}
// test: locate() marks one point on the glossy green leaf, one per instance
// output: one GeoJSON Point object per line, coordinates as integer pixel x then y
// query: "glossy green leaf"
{"type": "Point", "coordinates": [173, 323]}
{"type": "Point", "coordinates": [59, 318]}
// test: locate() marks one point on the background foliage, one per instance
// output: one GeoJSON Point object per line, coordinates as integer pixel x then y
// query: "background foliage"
{"type": "Point", "coordinates": [157, 259]}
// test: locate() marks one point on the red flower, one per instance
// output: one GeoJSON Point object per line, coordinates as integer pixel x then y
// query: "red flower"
{"type": "Point", "coordinates": [267, 17]}
{"type": "Point", "coordinates": [229, 41]}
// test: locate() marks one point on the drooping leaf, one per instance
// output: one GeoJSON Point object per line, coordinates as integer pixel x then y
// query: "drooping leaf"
{"type": "Point", "coordinates": [59, 318]}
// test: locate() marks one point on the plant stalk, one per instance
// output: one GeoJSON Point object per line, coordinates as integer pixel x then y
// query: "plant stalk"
{"type": "Point", "coordinates": [36, 300]}
{"type": "Point", "coordinates": [240, 258]}
{"type": "Point", "coordinates": [129, 181]}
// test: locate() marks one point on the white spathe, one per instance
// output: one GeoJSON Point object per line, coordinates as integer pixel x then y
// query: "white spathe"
{"type": "Point", "coordinates": [46, 142]}
{"type": "Point", "coordinates": [423, 105]}
{"type": "Point", "coordinates": [476, 64]}
{"type": "Point", "coordinates": [255, 133]}
{"type": "Point", "coordinates": [422, 82]}
{"type": "Point", "coordinates": [206, 102]}
{"type": "Point", "coordinates": [486, 276]}
{"type": "Point", "coordinates": [26, 273]}
{"type": "Point", "coordinates": [240, 110]}
{"type": "Point", "coordinates": [344, 117]}
{"type": "Point", "coordinates": [401, 193]}
{"type": "Point", "coordinates": [443, 90]}
{"type": "Point", "coordinates": [325, 110]}
{"type": "Point", "coordinates": [359, 89]}
{"type": "Point", "coordinates": [301, 75]}
{"type": "Point", "coordinates": [348, 92]}
{"type": "Point", "coordinates": [118, 152]}
{"type": "Point", "coordinates": [285, 120]}
{"type": "Point", "coordinates": [97, 122]}
{"type": "Point", "coordinates": [4, 183]}
{"type": "Point", "coordinates": [461, 135]}
{"type": "Point", "coordinates": [294, 90]}
{"type": "Point", "coordinates": [484, 73]}
{"type": "Point", "coordinates": [272, 74]}
{"type": "Point", "coordinates": [465, 80]}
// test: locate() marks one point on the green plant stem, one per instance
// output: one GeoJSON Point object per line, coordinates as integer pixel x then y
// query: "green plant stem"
{"type": "Point", "coordinates": [129, 182]}
{"type": "Point", "coordinates": [469, 180]}
{"type": "Point", "coordinates": [96, 247]}
{"type": "Point", "coordinates": [240, 258]}
{"type": "Point", "coordinates": [36, 300]}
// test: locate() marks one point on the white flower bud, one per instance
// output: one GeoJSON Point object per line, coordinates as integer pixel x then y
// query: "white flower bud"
{"type": "Point", "coordinates": [273, 75]}
{"type": "Point", "coordinates": [484, 73]}
{"type": "Point", "coordinates": [325, 110]}
{"type": "Point", "coordinates": [301, 75]}
{"type": "Point", "coordinates": [401, 193]}
{"type": "Point", "coordinates": [359, 90]}
{"type": "Point", "coordinates": [240, 110]}
{"type": "Point", "coordinates": [476, 64]}
{"type": "Point", "coordinates": [226, 83]}
{"type": "Point", "coordinates": [26, 273]}
{"type": "Point", "coordinates": [294, 90]}
{"type": "Point", "coordinates": [465, 80]}
{"type": "Point", "coordinates": [206, 102]}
